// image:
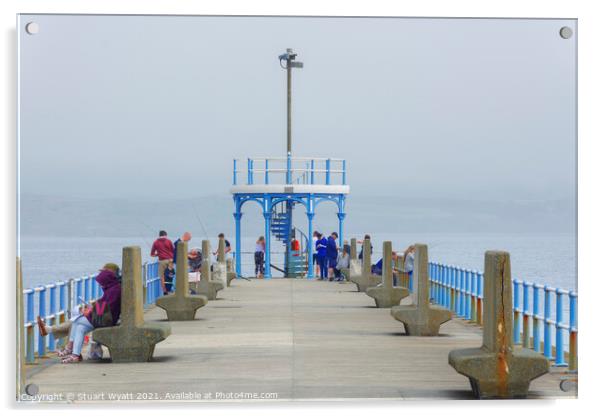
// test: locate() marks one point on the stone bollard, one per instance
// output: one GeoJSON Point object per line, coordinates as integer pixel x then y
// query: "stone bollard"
{"type": "Point", "coordinates": [207, 286]}
{"type": "Point", "coordinates": [366, 279]}
{"type": "Point", "coordinates": [220, 269]}
{"type": "Point", "coordinates": [386, 295]}
{"type": "Point", "coordinates": [181, 306]}
{"type": "Point", "coordinates": [230, 273]}
{"type": "Point", "coordinates": [497, 369]}
{"type": "Point", "coordinates": [133, 340]}
{"type": "Point", "coordinates": [421, 318]}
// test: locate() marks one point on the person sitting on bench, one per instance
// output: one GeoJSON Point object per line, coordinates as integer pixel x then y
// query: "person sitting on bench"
{"type": "Point", "coordinates": [104, 312]}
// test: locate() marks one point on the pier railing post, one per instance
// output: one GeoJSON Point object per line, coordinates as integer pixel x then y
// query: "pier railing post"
{"type": "Point", "coordinates": [559, 340]}
{"type": "Point", "coordinates": [547, 337]}
{"type": "Point", "coordinates": [573, 332]}
{"type": "Point", "coordinates": [516, 311]}
{"type": "Point", "coordinates": [62, 307]}
{"type": "Point", "coordinates": [467, 292]}
{"type": "Point", "coordinates": [536, 319]}
{"type": "Point", "coordinates": [145, 294]}
{"type": "Point", "coordinates": [526, 328]}
{"type": "Point", "coordinates": [53, 313]}
{"type": "Point", "coordinates": [473, 296]}
{"type": "Point", "coordinates": [29, 318]}
{"type": "Point", "coordinates": [480, 298]}
{"type": "Point", "coordinates": [42, 312]}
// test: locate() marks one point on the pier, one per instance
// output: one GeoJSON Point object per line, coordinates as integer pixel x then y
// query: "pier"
{"type": "Point", "coordinates": [298, 338]}
{"type": "Point", "coordinates": [295, 338]}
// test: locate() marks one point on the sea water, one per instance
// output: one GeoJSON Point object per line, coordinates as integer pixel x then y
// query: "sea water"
{"type": "Point", "coordinates": [541, 258]}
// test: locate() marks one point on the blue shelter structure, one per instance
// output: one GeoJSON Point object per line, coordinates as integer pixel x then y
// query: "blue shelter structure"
{"type": "Point", "coordinates": [277, 185]}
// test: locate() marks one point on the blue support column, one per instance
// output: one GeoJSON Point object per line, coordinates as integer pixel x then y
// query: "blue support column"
{"type": "Point", "coordinates": [341, 216]}
{"type": "Point", "coordinates": [267, 216]}
{"type": "Point", "coordinates": [310, 249]}
{"type": "Point", "coordinates": [237, 217]}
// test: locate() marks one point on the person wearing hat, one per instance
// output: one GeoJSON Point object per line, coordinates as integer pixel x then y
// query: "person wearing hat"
{"type": "Point", "coordinates": [104, 312]}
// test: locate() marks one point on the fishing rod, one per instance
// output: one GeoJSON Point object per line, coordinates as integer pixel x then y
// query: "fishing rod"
{"type": "Point", "coordinates": [198, 218]}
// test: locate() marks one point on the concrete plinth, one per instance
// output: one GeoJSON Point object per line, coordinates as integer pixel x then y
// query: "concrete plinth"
{"type": "Point", "coordinates": [386, 295]}
{"type": "Point", "coordinates": [421, 318]}
{"type": "Point", "coordinates": [365, 279]}
{"type": "Point", "coordinates": [497, 369]}
{"type": "Point", "coordinates": [181, 306]}
{"type": "Point", "coordinates": [230, 273]}
{"type": "Point", "coordinates": [207, 286]}
{"type": "Point", "coordinates": [133, 340]}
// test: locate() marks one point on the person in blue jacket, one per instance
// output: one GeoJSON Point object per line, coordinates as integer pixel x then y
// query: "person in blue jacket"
{"type": "Point", "coordinates": [321, 246]}
{"type": "Point", "coordinates": [332, 251]}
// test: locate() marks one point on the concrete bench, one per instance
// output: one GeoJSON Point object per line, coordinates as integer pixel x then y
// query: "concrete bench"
{"type": "Point", "coordinates": [421, 318]}
{"type": "Point", "coordinates": [133, 340]}
{"type": "Point", "coordinates": [498, 369]}
{"type": "Point", "coordinates": [181, 306]}
{"type": "Point", "coordinates": [386, 295]}
{"type": "Point", "coordinates": [366, 279]}
{"type": "Point", "coordinates": [207, 286]}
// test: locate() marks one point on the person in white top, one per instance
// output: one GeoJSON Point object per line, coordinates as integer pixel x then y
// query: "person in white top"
{"type": "Point", "coordinates": [259, 257]}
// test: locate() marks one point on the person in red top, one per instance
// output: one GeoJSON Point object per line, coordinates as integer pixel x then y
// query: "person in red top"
{"type": "Point", "coordinates": [162, 248]}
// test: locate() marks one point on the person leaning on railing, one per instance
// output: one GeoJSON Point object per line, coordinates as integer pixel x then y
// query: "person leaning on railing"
{"type": "Point", "coordinates": [104, 312]}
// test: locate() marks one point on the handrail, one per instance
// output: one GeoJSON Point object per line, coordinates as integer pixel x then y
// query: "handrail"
{"type": "Point", "coordinates": [461, 291]}
{"type": "Point", "coordinates": [311, 171]}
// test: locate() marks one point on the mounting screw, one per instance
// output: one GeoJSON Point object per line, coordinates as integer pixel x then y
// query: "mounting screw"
{"type": "Point", "coordinates": [566, 32]}
{"type": "Point", "coordinates": [32, 28]}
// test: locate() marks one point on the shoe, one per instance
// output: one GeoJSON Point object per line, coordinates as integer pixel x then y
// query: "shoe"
{"type": "Point", "coordinates": [65, 351]}
{"type": "Point", "coordinates": [42, 327]}
{"type": "Point", "coordinates": [72, 358]}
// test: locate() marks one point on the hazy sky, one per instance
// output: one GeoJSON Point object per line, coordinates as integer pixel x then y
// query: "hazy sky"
{"type": "Point", "coordinates": [136, 106]}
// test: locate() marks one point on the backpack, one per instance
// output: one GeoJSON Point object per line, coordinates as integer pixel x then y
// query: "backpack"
{"type": "Point", "coordinates": [101, 316]}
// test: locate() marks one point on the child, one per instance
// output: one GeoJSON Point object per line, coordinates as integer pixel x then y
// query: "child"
{"type": "Point", "coordinates": [169, 274]}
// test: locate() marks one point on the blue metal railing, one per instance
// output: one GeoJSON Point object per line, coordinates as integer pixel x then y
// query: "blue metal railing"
{"type": "Point", "coordinates": [461, 291]}
{"type": "Point", "coordinates": [289, 170]}
{"type": "Point", "coordinates": [42, 301]}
